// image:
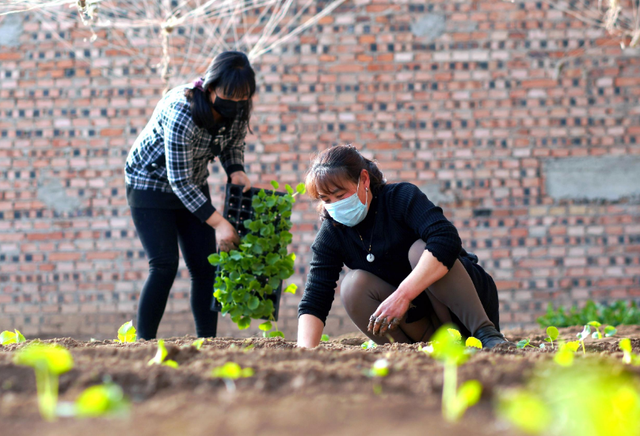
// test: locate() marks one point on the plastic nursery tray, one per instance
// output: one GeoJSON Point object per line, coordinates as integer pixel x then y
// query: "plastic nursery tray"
{"type": "Point", "coordinates": [237, 209]}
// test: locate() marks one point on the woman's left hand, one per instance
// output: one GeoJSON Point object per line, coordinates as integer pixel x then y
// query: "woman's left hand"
{"type": "Point", "coordinates": [241, 178]}
{"type": "Point", "coordinates": [389, 314]}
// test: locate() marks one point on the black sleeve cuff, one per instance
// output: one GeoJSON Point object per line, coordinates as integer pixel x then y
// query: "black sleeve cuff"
{"type": "Point", "coordinates": [233, 168]}
{"type": "Point", "coordinates": [310, 312]}
{"type": "Point", "coordinates": [205, 211]}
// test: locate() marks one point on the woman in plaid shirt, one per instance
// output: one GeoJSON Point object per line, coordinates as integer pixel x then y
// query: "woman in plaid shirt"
{"type": "Point", "coordinates": [166, 180]}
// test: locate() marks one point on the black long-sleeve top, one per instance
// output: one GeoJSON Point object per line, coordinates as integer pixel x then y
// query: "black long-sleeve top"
{"type": "Point", "coordinates": [404, 215]}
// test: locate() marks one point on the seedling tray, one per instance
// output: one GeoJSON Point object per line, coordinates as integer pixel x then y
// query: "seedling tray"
{"type": "Point", "coordinates": [237, 209]}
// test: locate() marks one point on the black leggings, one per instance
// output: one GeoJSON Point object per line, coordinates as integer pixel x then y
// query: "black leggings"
{"type": "Point", "coordinates": [160, 231]}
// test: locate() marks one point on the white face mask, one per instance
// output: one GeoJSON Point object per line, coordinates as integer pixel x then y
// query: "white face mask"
{"type": "Point", "coordinates": [348, 211]}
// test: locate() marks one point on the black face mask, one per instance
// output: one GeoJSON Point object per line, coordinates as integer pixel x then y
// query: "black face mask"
{"type": "Point", "coordinates": [229, 109]}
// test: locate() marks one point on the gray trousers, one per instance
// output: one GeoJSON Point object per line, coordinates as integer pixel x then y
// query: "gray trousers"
{"type": "Point", "coordinates": [362, 292]}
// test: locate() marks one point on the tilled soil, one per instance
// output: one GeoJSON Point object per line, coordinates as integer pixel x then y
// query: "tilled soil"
{"type": "Point", "coordinates": [324, 391]}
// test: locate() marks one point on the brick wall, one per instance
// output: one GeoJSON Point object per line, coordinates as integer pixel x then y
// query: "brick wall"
{"type": "Point", "coordinates": [462, 98]}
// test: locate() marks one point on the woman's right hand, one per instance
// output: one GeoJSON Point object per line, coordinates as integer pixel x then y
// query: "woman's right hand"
{"type": "Point", "coordinates": [227, 237]}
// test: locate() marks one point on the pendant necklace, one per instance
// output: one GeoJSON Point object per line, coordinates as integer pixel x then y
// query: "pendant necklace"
{"type": "Point", "coordinates": [370, 256]}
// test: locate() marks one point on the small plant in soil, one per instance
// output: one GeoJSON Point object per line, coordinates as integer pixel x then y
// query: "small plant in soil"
{"type": "Point", "coordinates": [247, 277]}
{"type": "Point", "coordinates": [197, 344]}
{"type": "Point", "coordinates": [14, 337]}
{"type": "Point", "coordinates": [594, 397]}
{"type": "Point", "coordinates": [127, 333]}
{"type": "Point", "coordinates": [524, 343]}
{"type": "Point", "coordinates": [378, 370]}
{"type": "Point", "coordinates": [608, 330]}
{"type": "Point", "coordinates": [447, 347]}
{"type": "Point", "coordinates": [161, 357]}
{"type": "Point", "coordinates": [48, 362]}
{"type": "Point", "coordinates": [370, 344]}
{"type": "Point", "coordinates": [106, 399]}
{"type": "Point", "coordinates": [324, 338]}
{"type": "Point", "coordinates": [552, 334]}
{"type": "Point", "coordinates": [584, 334]}
{"type": "Point", "coordinates": [566, 353]}
{"type": "Point", "coordinates": [627, 352]}
{"type": "Point", "coordinates": [229, 372]}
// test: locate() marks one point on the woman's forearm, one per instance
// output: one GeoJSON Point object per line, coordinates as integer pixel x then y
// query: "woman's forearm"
{"type": "Point", "coordinates": [309, 331]}
{"type": "Point", "coordinates": [428, 271]}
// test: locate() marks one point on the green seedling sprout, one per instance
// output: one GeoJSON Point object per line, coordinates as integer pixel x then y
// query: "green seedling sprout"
{"type": "Point", "coordinates": [161, 357]}
{"type": "Point", "coordinates": [268, 325]}
{"type": "Point", "coordinates": [473, 342]}
{"type": "Point", "coordinates": [14, 337]}
{"type": "Point", "coordinates": [566, 353]}
{"type": "Point", "coordinates": [610, 331]}
{"type": "Point", "coordinates": [324, 338]}
{"type": "Point", "coordinates": [229, 372]}
{"type": "Point", "coordinates": [590, 398]}
{"type": "Point", "coordinates": [583, 335]}
{"type": "Point", "coordinates": [379, 370]}
{"type": "Point", "coordinates": [248, 277]}
{"type": "Point", "coordinates": [101, 400]}
{"type": "Point", "coordinates": [625, 346]}
{"type": "Point", "coordinates": [447, 347]}
{"type": "Point", "coordinates": [370, 344]}
{"type": "Point", "coordinates": [127, 333]}
{"type": "Point", "coordinates": [48, 362]}
{"type": "Point", "coordinates": [524, 343]}
{"type": "Point", "coordinates": [197, 344]}
{"type": "Point", "coordinates": [552, 333]}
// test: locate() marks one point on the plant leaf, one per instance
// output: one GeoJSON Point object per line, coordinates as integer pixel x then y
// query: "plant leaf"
{"type": "Point", "coordinates": [275, 184]}
{"type": "Point", "coordinates": [20, 337]}
{"type": "Point", "coordinates": [625, 345]}
{"type": "Point", "coordinates": [595, 324]}
{"type": "Point", "coordinates": [197, 344]}
{"type": "Point", "coordinates": [214, 259]}
{"type": "Point", "coordinates": [610, 331]}
{"type": "Point", "coordinates": [368, 345]}
{"type": "Point", "coordinates": [553, 333]}
{"type": "Point", "coordinates": [244, 322]}
{"type": "Point", "coordinates": [469, 393]}
{"type": "Point", "coordinates": [253, 303]}
{"type": "Point", "coordinates": [276, 334]}
{"type": "Point", "coordinates": [473, 342]}
{"type": "Point", "coordinates": [265, 326]}
{"type": "Point", "coordinates": [324, 338]}
{"type": "Point", "coordinates": [100, 400]}
{"type": "Point", "coordinates": [380, 368]}
{"type": "Point", "coordinates": [55, 358]}
{"type": "Point", "coordinates": [526, 411]}
{"type": "Point", "coordinates": [291, 289]}
{"type": "Point", "coordinates": [7, 337]}
{"type": "Point", "coordinates": [523, 343]}
{"type": "Point", "coordinates": [300, 188]}
{"type": "Point", "coordinates": [127, 333]}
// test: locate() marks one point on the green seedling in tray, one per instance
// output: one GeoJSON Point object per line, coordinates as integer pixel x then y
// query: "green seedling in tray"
{"type": "Point", "coordinates": [247, 277]}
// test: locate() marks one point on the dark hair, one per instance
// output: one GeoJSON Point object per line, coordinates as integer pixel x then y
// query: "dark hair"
{"type": "Point", "coordinates": [335, 165]}
{"type": "Point", "coordinates": [231, 72]}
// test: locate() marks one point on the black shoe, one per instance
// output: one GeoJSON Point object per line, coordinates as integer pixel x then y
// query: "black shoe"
{"type": "Point", "coordinates": [490, 337]}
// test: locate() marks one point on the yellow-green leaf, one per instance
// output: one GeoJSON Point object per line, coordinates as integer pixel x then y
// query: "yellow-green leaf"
{"type": "Point", "coordinates": [232, 371]}
{"type": "Point", "coordinates": [469, 393]}
{"type": "Point", "coordinates": [526, 411]}
{"type": "Point", "coordinates": [198, 343]}
{"type": "Point", "coordinates": [473, 342]}
{"type": "Point", "coordinates": [53, 358]}
{"type": "Point", "coordinates": [291, 289]}
{"type": "Point", "coordinates": [127, 333]}
{"type": "Point", "coordinates": [101, 400]}
{"type": "Point", "coordinates": [553, 333]}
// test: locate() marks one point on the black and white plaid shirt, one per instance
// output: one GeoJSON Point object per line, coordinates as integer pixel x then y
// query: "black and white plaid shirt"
{"type": "Point", "coordinates": [171, 154]}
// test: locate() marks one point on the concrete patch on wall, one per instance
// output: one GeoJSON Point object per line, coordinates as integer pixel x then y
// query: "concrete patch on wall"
{"type": "Point", "coordinates": [437, 197]}
{"type": "Point", "coordinates": [53, 195]}
{"type": "Point", "coordinates": [429, 26]}
{"type": "Point", "coordinates": [593, 177]}
{"type": "Point", "coordinates": [10, 30]}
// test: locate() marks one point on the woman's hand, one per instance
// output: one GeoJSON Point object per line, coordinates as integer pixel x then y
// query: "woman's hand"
{"type": "Point", "coordinates": [241, 178]}
{"type": "Point", "coordinates": [389, 314]}
{"type": "Point", "coordinates": [226, 235]}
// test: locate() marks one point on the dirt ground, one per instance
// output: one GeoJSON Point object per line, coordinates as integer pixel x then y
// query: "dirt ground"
{"type": "Point", "coordinates": [294, 391]}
